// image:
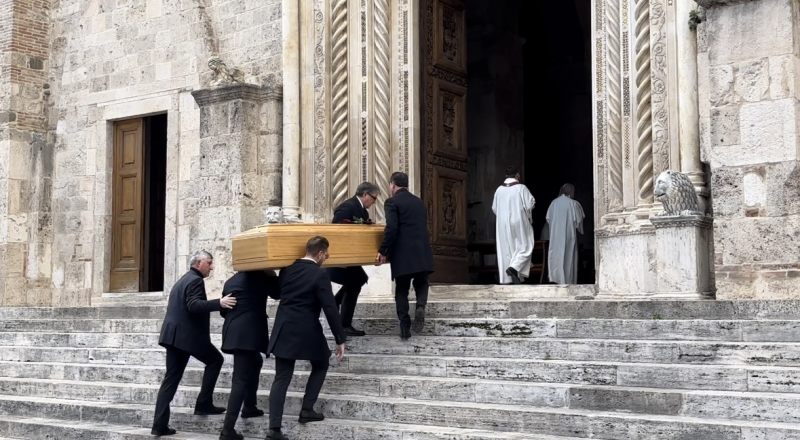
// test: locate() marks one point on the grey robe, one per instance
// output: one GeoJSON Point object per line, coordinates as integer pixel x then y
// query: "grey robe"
{"type": "Point", "coordinates": [564, 217]}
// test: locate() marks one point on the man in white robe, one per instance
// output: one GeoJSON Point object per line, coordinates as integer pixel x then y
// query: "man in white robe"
{"type": "Point", "coordinates": [564, 218]}
{"type": "Point", "coordinates": [512, 205]}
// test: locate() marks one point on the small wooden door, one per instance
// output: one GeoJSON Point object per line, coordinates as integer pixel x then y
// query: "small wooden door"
{"type": "Point", "coordinates": [444, 144]}
{"type": "Point", "coordinates": [128, 206]}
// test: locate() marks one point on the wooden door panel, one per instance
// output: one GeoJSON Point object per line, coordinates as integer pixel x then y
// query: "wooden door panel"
{"type": "Point", "coordinates": [444, 146]}
{"type": "Point", "coordinates": [127, 216]}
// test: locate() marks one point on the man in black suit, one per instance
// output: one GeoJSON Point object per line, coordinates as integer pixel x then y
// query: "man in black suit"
{"type": "Point", "coordinates": [297, 334]}
{"type": "Point", "coordinates": [245, 335]}
{"type": "Point", "coordinates": [406, 244]}
{"type": "Point", "coordinates": [352, 278]}
{"type": "Point", "coordinates": [185, 333]}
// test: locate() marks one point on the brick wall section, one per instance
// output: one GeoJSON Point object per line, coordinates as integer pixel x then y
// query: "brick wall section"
{"type": "Point", "coordinates": [25, 182]}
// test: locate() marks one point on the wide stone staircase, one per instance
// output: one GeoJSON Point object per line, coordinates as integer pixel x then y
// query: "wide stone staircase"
{"type": "Point", "coordinates": [500, 369]}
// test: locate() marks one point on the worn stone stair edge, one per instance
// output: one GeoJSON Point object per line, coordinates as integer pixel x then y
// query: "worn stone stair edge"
{"type": "Point", "coordinates": [741, 309]}
{"type": "Point", "coordinates": [717, 405]}
{"type": "Point", "coordinates": [564, 422]}
{"type": "Point", "coordinates": [40, 428]}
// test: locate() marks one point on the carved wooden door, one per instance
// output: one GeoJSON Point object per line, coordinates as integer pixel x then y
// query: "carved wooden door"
{"type": "Point", "coordinates": [128, 209]}
{"type": "Point", "coordinates": [444, 144]}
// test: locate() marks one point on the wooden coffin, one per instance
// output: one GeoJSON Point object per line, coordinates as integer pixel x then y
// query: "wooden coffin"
{"type": "Point", "coordinates": [276, 246]}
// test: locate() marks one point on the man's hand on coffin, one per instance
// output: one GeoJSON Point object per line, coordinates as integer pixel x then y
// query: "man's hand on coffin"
{"type": "Point", "coordinates": [340, 352]}
{"type": "Point", "coordinates": [380, 259]}
{"type": "Point", "coordinates": [227, 302]}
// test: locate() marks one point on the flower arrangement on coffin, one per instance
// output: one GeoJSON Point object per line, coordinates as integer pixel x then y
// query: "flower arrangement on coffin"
{"type": "Point", "coordinates": [358, 221]}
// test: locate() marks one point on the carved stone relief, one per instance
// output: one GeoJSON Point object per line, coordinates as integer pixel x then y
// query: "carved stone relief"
{"type": "Point", "coordinates": [644, 127]}
{"type": "Point", "coordinates": [339, 102]}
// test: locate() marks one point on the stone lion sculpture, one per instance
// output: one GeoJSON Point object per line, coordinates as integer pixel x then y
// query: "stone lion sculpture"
{"type": "Point", "coordinates": [223, 74]}
{"type": "Point", "coordinates": [676, 192]}
{"type": "Point", "coordinates": [274, 214]}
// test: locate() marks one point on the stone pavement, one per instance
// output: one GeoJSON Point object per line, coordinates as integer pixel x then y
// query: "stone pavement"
{"type": "Point", "coordinates": [500, 369]}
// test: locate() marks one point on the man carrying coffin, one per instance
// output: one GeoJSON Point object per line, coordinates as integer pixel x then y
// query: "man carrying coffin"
{"type": "Point", "coordinates": [297, 334]}
{"type": "Point", "coordinates": [406, 244]}
{"type": "Point", "coordinates": [512, 205]}
{"type": "Point", "coordinates": [352, 279]}
{"type": "Point", "coordinates": [245, 335]}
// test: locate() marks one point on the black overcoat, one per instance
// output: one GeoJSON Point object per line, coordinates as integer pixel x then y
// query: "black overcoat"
{"type": "Point", "coordinates": [186, 325]}
{"type": "Point", "coordinates": [246, 326]}
{"type": "Point", "coordinates": [405, 239]}
{"type": "Point", "coordinates": [297, 333]}
{"type": "Point", "coordinates": [350, 209]}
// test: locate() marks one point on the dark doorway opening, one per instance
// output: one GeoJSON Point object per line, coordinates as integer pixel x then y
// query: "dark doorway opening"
{"type": "Point", "coordinates": [155, 185]}
{"type": "Point", "coordinates": [529, 104]}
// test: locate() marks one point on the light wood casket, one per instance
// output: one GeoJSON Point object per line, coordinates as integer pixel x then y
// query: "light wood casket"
{"type": "Point", "coordinates": [276, 246]}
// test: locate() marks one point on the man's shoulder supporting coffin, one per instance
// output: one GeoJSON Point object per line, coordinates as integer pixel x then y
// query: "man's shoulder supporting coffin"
{"type": "Point", "coordinates": [275, 246]}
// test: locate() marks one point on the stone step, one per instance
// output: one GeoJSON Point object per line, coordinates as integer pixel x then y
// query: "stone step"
{"type": "Point", "coordinates": [451, 420]}
{"type": "Point", "coordinates": [143, 349]}
{"type": "Point", "coordinates": [36, 428]}
{"type": "Point", "coordinates": [380, 371]}
{"type": "Point", "coordinates": [685, 330]}
{"type": "Point", "coordinates": [374, 391]}
{"type": "Point", "coordinates": [643, 310]}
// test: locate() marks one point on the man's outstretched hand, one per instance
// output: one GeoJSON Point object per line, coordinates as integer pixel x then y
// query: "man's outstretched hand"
{"type": "Point", "coordinates": [227, 302]}
{"type": "Point", "coordinates": [339, 352]}
{"type": "Point", "coordinates": [380, 259]}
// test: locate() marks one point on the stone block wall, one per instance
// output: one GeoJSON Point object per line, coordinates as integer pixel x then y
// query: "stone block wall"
{"type": "Point", "coordinates": [749, 71]}
{"type": "Point", "coordinates": [66, 74]}
{"type": "Point", "coordinates": [25, 154]}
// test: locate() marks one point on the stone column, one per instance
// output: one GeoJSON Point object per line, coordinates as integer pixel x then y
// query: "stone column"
{"type": "Point", "coordinates": [291, 109]}
{"type": "Point", "coordinates": [270, 150]}
{"type": "Point", "coordinates": [682, 245]}
{"type": "Point", "coordinates": [688, 114]}
{"type": "Point", "coordinates": [225, 197]}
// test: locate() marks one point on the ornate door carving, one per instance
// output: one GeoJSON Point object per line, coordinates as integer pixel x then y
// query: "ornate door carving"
{"type": "Point", "coordinates": [444, 144]}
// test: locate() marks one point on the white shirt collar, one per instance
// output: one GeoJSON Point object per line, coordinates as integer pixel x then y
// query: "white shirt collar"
{"type": "Point", "coordinates": [309, 259]}
{"type": "Point", "coordinates": [510, 179]}
{"type": "Point", "coordinates": [359, 201]}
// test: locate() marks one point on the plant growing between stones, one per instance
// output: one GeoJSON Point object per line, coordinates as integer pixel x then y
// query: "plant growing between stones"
{"type": "Point", "coordinates": [694, 19]}
{"type": "Point", "coordinates": [656, 316]}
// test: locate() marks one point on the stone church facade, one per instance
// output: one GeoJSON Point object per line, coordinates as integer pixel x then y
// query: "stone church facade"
{"type": "Point", "coordinates": [112, 119]}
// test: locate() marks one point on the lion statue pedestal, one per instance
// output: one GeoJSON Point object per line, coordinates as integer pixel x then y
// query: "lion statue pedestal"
{"type": "Point", "coordinates": [683, 241]}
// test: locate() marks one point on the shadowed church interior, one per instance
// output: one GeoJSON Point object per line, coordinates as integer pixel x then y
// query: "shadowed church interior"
{"type": "Point", "coordinates": [528, 104]}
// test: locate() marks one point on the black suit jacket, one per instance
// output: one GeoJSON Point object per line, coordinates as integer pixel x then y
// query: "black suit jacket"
{"type": "Point", "coordinates": [246, 326]}
{"type": "Point", "coordinates": [297, 333]}
{"type": "Point", "coordinates": [186, 325]}
{"type": "Point", "coordinates": [405, 239]}
{"type": "Point", "coordinates": [350, 209]}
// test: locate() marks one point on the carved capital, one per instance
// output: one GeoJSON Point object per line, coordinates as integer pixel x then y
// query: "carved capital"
{"type": "Point", "coordinates": [246, 92]}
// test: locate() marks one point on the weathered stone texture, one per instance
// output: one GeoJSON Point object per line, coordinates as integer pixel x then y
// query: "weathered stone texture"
{"type": "Point", "coordinates": [752, 126]}
{"type": "Point", "coordinates": [127, 59]}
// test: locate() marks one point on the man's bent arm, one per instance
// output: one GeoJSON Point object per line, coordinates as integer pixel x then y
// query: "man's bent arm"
{"type": "Point", "coordinates": [196, 300]}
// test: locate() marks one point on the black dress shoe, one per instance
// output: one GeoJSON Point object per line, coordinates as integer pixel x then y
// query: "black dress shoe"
{"type": "Point", "coordinates": [208, 410]}
{"type": "Point", "coordinates": [230, 435]}
{"type": "Point", "coordinates": [159, 432]}
{"type": "Point", "coordinates": [419, 320]}
{"type": "Point", "coordinates": [309, 415]}
{"type": "Point", "coordinates": [405, 331]}
{"type": "Point", "coordinates": [274, 434]}
{"type": "Point", "coordinates": [352, 331]}
{"type": "Point", "coordinates": [514, 275]}
{"type": "Point", "coordinates": [255, 412]}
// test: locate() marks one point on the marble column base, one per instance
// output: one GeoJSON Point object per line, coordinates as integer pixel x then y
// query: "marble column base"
{"type": "Point", "coordinates": [682, 246]}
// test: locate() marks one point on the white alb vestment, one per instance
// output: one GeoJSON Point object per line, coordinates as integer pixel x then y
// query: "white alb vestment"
{"type": "Point", "coordinates": [512, 205]}
{"type": "Point", "coordinates": [564, 217]}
